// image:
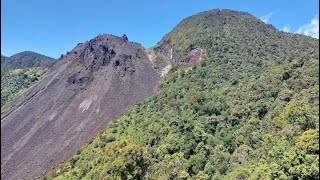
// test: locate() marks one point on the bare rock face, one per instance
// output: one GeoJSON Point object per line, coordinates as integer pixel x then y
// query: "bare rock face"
{"type": "Point", "coordinates": [88, 87]}
{"type": "Point", "coordinates": [163, 57]}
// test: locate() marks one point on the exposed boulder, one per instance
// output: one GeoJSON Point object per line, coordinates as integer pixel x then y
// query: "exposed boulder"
{"type": "Point", "coordinates": [125, 37]}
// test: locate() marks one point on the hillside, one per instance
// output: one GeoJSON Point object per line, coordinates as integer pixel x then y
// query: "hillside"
{"type": "Point", "coordinates": [25, 59]}
{"type": "Point", "coordinates": [19, 72]}
{"type": "Point", "coordinates": [248, 109]}
{"type": "Point", "coordinates": [3, 59]}
{"type": "Point", "coordinates": [15, 82]}
{"type": "Point", "coordinates": [93, 84]}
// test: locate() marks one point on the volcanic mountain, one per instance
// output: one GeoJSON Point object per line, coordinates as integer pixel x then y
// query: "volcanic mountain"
{"type": "Point", "coordinates": [86, 88]}
{"type": "Point", "coordinates": [240, 102]}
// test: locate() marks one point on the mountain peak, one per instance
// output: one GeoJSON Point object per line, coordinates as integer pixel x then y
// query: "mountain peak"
{"type": "Point", "coordinates": [93, 84]}
{"type": "Point", "coordinates": [25, 59]}
{"type": "Point", "coordinates": [217, 32]}
{"type": "Point", "coordinates": [228, 16]}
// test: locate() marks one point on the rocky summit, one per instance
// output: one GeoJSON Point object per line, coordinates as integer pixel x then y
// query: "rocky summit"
{"type": "Point", "coordinates": [89, 86]}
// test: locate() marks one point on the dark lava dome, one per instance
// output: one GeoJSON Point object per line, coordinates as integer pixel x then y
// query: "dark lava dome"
{"type": "Point", "coordinates": [88, 87]}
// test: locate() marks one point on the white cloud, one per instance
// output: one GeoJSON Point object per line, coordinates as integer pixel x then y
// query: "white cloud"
{"type": "Point", "coordinates": [286, 28]}
{"type": "Point", "coordinates": [265, 18]}
{"type": "Point", "coordinates": [311, 29]}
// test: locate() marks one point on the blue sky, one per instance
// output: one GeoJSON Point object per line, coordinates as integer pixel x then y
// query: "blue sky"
{"type": "Point", "coordinates": [52, 27]}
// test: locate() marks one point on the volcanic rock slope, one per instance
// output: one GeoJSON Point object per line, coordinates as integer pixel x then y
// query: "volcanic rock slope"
{"type": "Point", "coordinates": [88, 87]}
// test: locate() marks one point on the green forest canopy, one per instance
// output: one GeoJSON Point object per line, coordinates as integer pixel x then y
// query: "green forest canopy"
{"type": "Point", "coordinates": [248, 111]}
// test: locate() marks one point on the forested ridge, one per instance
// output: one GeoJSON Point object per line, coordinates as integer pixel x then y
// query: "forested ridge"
{"type": "Point", "coordinates": [19, 72]}
{"type": "Point", "coordinates": [249, 110]}
{"type": "Point", "coordinates": [25, 59]}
